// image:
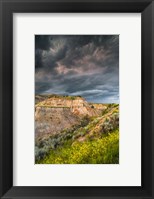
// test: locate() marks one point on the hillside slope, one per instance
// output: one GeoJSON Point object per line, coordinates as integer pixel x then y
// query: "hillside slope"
{"type": "Point", "coordinates": [88, 129]}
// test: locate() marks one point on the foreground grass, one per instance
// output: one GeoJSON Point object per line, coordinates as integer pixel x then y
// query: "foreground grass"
{"type": "Point", "coordinates": [100, 151]}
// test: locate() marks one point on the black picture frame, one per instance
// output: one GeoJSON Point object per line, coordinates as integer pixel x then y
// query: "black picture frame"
{"type": "Point", "coordinates": [7, 8]}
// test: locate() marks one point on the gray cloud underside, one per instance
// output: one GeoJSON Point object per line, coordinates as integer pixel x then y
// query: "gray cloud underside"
{"type": "Point", "coordinates": [78, 65]}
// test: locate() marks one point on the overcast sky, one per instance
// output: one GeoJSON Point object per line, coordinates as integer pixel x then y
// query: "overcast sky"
{"type": "Point", "coordinates": [86, 65]}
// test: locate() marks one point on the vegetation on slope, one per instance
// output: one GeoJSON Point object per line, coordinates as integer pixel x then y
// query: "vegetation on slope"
{"type": "Point", "coordinates": [99, 151]}
{"type": "Point", "coordinates": [95, 140]}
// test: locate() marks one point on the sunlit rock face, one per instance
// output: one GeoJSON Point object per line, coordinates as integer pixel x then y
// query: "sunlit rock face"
{"type": "Point", "coordinates": [55, 114]}
{"type": "Point", "coordinates": [77, 105]}
{"type": "Point", "coordinates": [53, 120]}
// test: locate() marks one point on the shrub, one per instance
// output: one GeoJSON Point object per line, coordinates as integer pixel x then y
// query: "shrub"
{"type": "Point", "coordinates": [110, 124]}
{"type": "Point", "coordinates": [40, 153]}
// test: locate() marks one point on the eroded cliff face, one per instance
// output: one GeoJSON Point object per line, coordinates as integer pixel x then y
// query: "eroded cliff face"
{"type": "Point", "coordinates": [54, 114]}
{"type": "Point", "coordinates": [77, 105]}
{"type": "Point", "coordinates": [53, 120]}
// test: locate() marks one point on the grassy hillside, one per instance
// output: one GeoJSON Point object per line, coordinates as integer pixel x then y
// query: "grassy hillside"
{"type": "Point", "coordinates": [98, 151]}
{"type": "Point", "coordinates": [95, 140]}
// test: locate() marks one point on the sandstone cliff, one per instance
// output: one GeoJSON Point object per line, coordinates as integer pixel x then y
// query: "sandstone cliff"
{"type": "Point", "coordinates": [55, 113]}
{"type": "Point", "coordinates": [52, 120]}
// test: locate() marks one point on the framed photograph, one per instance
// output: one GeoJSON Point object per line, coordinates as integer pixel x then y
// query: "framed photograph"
{"type": "Point", "coordinates": [76, 99]}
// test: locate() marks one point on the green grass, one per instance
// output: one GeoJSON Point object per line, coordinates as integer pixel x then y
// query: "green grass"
{"type": "Point", "coordinates": [97, 151]}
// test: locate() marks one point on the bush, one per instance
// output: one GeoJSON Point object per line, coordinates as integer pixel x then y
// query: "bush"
{"type": "Point", "coordinates": [85, 121]}
{"type": "Point", "coordinates": [111, 123]}
{"type": "Point", "coordinates": [40, 153]}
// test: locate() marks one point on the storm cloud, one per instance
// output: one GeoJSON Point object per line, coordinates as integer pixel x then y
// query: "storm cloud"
{"type": "Point", "coordinates": [85, 65]}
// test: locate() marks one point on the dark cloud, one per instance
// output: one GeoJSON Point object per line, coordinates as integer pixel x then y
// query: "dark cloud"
{"type": "Point", "coordinates": [42, 42]}
{"type": "Point", "coordinates": [86, 65]}
{"type": "Point", "coordinates": [38, 59]}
